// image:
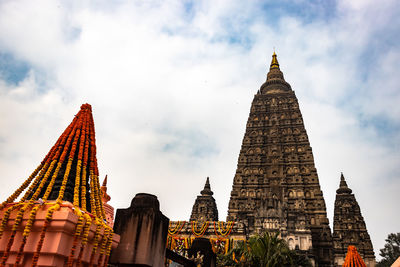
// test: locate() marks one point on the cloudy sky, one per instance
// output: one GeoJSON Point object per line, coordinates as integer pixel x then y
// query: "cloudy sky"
{"type": "Point", "coordinates": [171, 83]}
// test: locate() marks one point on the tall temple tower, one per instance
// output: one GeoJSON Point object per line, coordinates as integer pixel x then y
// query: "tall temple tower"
{"type": "Point", "coordinates": [349, 227]}
{"type": "Point", "coordinates": [276, 185]}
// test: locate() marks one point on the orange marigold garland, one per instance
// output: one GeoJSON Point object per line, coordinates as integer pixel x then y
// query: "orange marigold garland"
{"type": "Point", "coordinates": [42, 234]}
{"type": "Point", "coordinates": [53, 153]}
{"type": "Point", "coordinates": [108, 248]}
{"type": "Point", "coordinates": [75, 148]}
{"type": "Point", "coordinates": [226, 230]}
{"type": "Point", "coordinates": [353, 259]}
{"type": "Point", "coordinates": [177, 229]}
{"type": "Point", "coordinates": [203, 228]}
{"type": "Point", "coordinates": [22, 187]}
{"type": "Point", "coordinates": [95, 241]}
{"type": "Point", "coordinates": [86, 231]}
{"type": "Point", "coordinates": [103, 246]}
{"type": "Point", "coordinates": [78, 232]}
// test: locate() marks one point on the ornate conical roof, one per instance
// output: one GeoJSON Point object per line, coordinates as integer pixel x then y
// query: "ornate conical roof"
{"type": "Point", "coordinates": [343, 188]}
{"type": "Point", "coordinates": [275, 81]}
{"type": "Point", "coordinates": [69, 170]}
{"type": "Point", "coordinates": [205, 208]}
{"type": "Point", "coordinates": [67, 173]}
{"type": "Point", "coordinates": [207, 189]}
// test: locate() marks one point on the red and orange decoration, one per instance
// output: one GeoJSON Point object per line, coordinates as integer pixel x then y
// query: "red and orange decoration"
{"type": "Point", "coordinates": [74, 150]}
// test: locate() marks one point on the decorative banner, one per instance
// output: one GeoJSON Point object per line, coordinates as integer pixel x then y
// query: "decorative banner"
{"type": "Point", "coordinates": [202, 230]}
{"type": "Point", "coordinates": [220, 246]}
{"type": "Point", "coordinates": [178, 244]}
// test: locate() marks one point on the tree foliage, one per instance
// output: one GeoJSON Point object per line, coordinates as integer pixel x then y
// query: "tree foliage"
{"type": "Point", "coordinates": [391, 251]}
{"type": "Point", "coordinates": [266, 250]}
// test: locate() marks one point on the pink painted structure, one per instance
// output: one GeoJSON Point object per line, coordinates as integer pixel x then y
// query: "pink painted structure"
{"type": "Point", "coordinates": [56, 204]}
{"type": "Point", "coordinates": [58, 241]}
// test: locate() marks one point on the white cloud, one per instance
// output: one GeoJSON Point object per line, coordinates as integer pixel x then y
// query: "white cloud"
{"type": "Point", "coordinates": [158, 76]}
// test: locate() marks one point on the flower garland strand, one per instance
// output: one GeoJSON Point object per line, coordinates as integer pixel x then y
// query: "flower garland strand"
{"type": "Point", "coordinates": [54, 154]}
{"type": "Point", "coordinates": [225, 232]}
{"type": "Point", "coordinates": [103, 246]}
{"type": "Point", "coordinates": [177, 229]}
{"type": "Point", "coordinates": [22, 187]}
{"type": "Point", "coordinates": [84, 168]}
{"type": "Point", "coordinates": [56, 206]}
{"type": "Point", "coordinates": [353, 259]}
{"type": "Point", "coordinates": [203, 228]}
{"type": "Point", "coordinates": [95, 242]}
{"type": "Point", "coordinates": [75, 147]}
{"type": "Point", "coordinates": [80, 225]}
{"type": "Point", "coordinates": [108, 249]}
{"type": "Point", "coordinates": [86, 231]}
{"type": "Point", "coordinates": [78, 232]}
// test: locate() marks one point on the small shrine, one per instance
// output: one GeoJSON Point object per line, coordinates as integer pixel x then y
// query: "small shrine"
{"type": "Point", "coordinates": [60, 220]}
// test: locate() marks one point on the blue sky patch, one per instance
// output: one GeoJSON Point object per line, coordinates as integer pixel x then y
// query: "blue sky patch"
{"type": "Point", "coordinates": [192, 143]}
{"type": "Point", "coordinates": [12, 70]}
{"type": "Point", "coordinates": [307, 11]}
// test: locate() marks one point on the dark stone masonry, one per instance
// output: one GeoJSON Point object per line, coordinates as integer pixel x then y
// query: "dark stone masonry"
{"type": "Point", "coordinates": [276, 186]}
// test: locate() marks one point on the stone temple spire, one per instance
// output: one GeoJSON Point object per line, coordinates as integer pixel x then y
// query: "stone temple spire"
{"type": "Point", "coordinates": [275, 82]}
{"type": "Point", "coordinates": [276, 185]}
{"type": "Point", "coordinates": [205, 208]}
{"type": "Point", "coordinates": [349, 228]}
{"type": "Point", "coordinates": [343, 188]}
{"type": "Point", "coordinates": [207, 189]}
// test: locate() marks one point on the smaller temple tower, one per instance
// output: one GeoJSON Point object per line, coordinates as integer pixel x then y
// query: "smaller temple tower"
{"type": "Point", "coordinates": [349, 227]}
{"type": "Point", "coordinates": [205, 208]}
{"type": "Point", "coordinates": [108, 209]}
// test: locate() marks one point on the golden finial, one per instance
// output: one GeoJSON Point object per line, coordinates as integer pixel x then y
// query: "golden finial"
{"type": "Point", "coordinates": [274, 62]}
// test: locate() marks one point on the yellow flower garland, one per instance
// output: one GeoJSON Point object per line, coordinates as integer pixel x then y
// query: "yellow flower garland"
{"type": "Point", "coordinates": [78, 139]}
{"type": "Point", "coordinates": [203, 228]}
{"type": "Point", "coordinates": [176, 230]}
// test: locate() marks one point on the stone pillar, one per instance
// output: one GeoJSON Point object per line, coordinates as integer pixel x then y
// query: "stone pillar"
{"type": "Point", "coordinates": [143, 229]}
